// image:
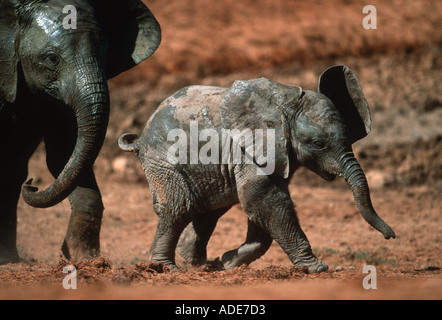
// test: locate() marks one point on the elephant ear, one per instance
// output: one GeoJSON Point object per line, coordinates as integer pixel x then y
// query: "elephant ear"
{"type": "Point", "coordinates": [261, 104]}
{"type": "Point", "coordinates": [342, 87]}
{"type": "Point", "coordinates": [132, 31]}
{"type": "Point", "coordinates": [8, 55]}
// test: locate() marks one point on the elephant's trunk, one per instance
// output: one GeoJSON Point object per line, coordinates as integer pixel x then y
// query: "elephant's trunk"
{"type": "Point", "coordinates": [90, 103]}
{"type": "Point", "coordinates": [355, 177]}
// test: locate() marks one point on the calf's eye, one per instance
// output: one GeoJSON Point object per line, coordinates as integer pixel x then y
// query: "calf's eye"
{"type": "Point", "coordinates": [52, 59]}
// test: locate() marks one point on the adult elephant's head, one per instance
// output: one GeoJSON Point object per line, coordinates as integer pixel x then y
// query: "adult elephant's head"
{"type": "Point", "coordinates": [68, 50]}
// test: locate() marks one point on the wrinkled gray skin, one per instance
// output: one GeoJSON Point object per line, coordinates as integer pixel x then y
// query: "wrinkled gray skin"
{"type": "Point", "coordinates": [313, 129]}
{"type": "Point", "coordinates": [53, 86]}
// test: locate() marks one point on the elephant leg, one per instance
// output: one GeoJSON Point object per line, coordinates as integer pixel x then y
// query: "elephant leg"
{"type": "Point", "coordinates": [192, 245]}
{"type": "Point", "coordinates": [83, 232]}
{"type": "Point", "coordinates": [82, 240]}
{"type": "Point", "coordinates": [9, 195]}
{"type": "Point", "coordinates": [174, 204]}
{"type": "Point", "coordinates": [274, 212]}
{"type": "Point", "coordinates": [257, 243]}
{"type": "Point", "coordinates": [285, 229]}
{"type": "Point", "coordinates": [168, 232]}
{"type": "Point", "coordinates": [18, 142]}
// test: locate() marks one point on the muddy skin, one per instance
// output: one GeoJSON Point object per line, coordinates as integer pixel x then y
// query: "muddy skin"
{"type": "Point", "coordinates": [311, 130]}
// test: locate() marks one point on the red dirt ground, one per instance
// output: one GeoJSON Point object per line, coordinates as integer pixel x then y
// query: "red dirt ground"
{"type": "Point", "coordinates": [399, 67]}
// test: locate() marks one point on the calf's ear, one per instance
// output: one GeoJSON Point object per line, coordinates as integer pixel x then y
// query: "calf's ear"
{"type": "Point", "coordinates": [342, 87]}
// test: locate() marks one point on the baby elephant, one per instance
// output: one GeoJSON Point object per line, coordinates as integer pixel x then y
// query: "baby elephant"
{"type": "Point", "coordinates": [207, 148]}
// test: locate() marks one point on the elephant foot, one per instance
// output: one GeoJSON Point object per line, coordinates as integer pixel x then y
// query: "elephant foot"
{"type": "Point", "coordinates": [78, 252]}
{"type": "Point", "coordinates": [167, 264]}
{"type": "Point", "coordinates": [314, 266]}
{"type": "Point", "coordinates": [166, 258]}
{"type": "Point", "coordinates": [8, 256]}
{"type": "Point", "coordinates": [188, 253]}
{"type": "Point", "coordinates": [8, 248]}
{"type": "Point", "coordinates": [245, 254]}
{"type": "Point", "coordinates": [172, 267]}
{"type": "Point", "coordinates": [188, 247]}
{"type": "Point", "coordinates": [230, 259]}
{"type": "Point", "coordinates": [82, 241]}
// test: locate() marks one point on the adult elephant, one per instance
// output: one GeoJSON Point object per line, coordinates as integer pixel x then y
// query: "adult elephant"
{"type": "Point", "coordinates": [53, 86]}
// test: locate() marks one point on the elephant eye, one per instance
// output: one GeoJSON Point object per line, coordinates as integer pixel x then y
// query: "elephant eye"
{"type": "Point", "coordinates": [52, 58]}
{"type": "Point", "coordinates": [318, 144]}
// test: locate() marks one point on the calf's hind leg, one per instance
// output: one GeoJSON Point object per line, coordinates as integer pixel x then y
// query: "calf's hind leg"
{"type": "Point", "coordinates": [168, 232]}
{"type": "Point", "coordinates": [257, 243]}
{"type": "Point", "coordinates": [193, 242]}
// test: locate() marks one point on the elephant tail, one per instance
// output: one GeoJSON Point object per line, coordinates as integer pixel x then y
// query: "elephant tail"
{"type": "Point", "coordinates": [128, 142]}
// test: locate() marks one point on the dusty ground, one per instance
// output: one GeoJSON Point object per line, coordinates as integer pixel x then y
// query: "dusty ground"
{"type": "Point", "coordinates": [399, 66]}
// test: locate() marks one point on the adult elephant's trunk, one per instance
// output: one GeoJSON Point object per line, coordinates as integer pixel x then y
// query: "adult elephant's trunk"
{"type": "Point", "coordinates": [353, 174]}
{"type": "Point", "coordinates": [91, 106]}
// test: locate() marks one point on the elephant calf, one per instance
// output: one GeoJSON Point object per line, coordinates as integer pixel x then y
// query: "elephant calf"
{"type": "Point", "coordinates": [207, 148]}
